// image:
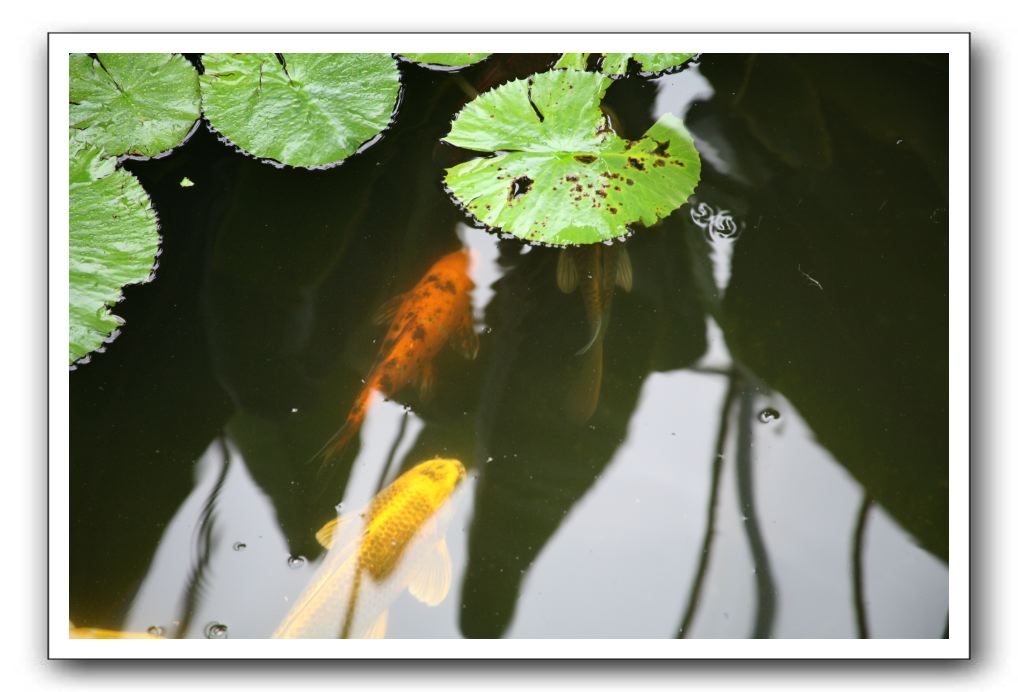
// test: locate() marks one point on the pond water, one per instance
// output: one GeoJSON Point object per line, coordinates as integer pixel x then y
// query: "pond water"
{"type": "Point", "coordinates": [768, 452]}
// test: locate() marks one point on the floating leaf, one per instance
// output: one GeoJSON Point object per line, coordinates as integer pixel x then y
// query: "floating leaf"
{"type": "Point", "coordinates": [87, 162]}
{"type": "Point", "coordinates": [300, 109]}
{"type": "Point", "coordinates": [617, 64]}
{"type": "Point", "coordinates": [575, 61]}
{"type": "Point", "coordinates": [558, 173]}
{"type": "Point", "coordinates": [141, 104]}
{"type": "Point", "coordinates": [114, 238]}
{"type": "Point", "coordinates": [445, 59]}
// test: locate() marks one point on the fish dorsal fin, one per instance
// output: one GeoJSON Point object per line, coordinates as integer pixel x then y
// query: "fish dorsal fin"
{"type": "Point", "coordinates": [386, 312]}
{"type": "Point", "coordinates": [566, 274]}
{"type": "Point", "coordinates": [624, 271]}
{"type": "Point", "coordinates": [377, 629]}
{"type": "Point", "coordinates": [327, 534]}
{"type": "Point", "coordinates": [464, 340]}
{"type": "Point", "coordinates": [432, 576]}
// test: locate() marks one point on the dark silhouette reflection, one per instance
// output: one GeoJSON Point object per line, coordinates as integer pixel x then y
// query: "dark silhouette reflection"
{"type": "Point", "coordinates": [766, 590]}
{"type": "Point", "coordinates": [717, 464]}
{"type": "Point", "coordinates": [837, 293]}
{"type": "Point", "coordinates": [858, 576]}
{"type": "Point", "coordinates": [204, 545]}
{"type": "Point", "coordinates": [529, 360]}
{"type": "Point", "coordinates": [144, 411]}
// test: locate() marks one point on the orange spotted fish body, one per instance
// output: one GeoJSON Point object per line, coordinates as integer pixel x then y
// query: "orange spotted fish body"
{"type": "Point", "coordinates": [397, 544]}
{"type": "Point", "coordinates": [421, 322]}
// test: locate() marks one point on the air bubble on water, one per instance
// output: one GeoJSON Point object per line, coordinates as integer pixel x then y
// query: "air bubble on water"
{"type": "Point", "coordinates": [293, 410]}
{"type": "Point", "coordinates": [489, 460]}
{"type": "Point", "coordinates": [155, 631]}
{"type": "Point", "coordinates": [239, 545]}
{"type": "Point", "coordinates": [216, 630]}
{"type": "Point", "coordinates": [899, 141]}
{"type": "Point", "coordinates": [768, 415]}
{"type": "Point", "coordinates": [296, 561]}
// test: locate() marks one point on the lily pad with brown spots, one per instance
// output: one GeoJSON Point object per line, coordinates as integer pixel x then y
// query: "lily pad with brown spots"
{"type": "Point", "coordinates": [556, 172]}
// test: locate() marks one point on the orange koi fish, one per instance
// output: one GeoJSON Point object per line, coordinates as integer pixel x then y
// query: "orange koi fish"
{"type": "Point", "coordinates": [421, 321]}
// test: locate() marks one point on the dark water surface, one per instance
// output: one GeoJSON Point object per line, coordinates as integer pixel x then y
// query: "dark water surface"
{"type": "Point", "coordinates": [768, 457]}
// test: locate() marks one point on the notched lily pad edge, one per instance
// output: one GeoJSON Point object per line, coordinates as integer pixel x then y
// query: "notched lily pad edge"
{"type": "Point", "coordinates": [163, 154]}
{"type": "Point", "coordinates": [435, 67]}
{"type": "Point", "coordinates": [87, 358]}
{"type": "Point", "coordinates": [695, 60]}
{"type": "Point", "coordinates": [317, 167]}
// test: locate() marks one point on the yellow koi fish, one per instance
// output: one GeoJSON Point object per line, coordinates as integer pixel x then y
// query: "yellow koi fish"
{"type": "Point", "coordinates": [596, 270]}
{"type": "Point", "coordinates": [397, 543]}
{"type": "Point", "coordinates": [93, 633]}
{"type": "Point", "coordinates": [421, 321]}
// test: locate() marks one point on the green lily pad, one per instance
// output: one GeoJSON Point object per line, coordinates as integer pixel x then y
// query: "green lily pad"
{"type": "Point", "coordinates": [114, 239]}
{"type": "Point", "coordinates": [445, 59]}
{"type": "Point", "coordinates": [558, 174]}
{"type": "Point", "coordinates": [309, 110]}
{"type": "Point", "coordinates": [140, 104]}
{"type": "Point", "coordinates": [617, 64]}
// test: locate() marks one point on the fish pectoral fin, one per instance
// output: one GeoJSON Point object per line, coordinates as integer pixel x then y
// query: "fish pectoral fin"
{"type": "Point", "coordinates": [426, 381]}
{"type": "Point", "coordinates": [464, 340]}
{"type": "Point", "coordinates": [377, 629]}
{"type": "Point", "coordinates": [327, 534]}
{"type": "Point", "coordinates": [432, 576]}
{"type": "Point", "coordinates": [566, 274]}
{"type": "Point", "coordinates": [624, 271]}
{"type": "Point", "coordinates": [386, 312]}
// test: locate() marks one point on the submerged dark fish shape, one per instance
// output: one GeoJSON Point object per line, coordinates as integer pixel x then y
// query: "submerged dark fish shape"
{"type": "Point", "coordinates": [596, 270]}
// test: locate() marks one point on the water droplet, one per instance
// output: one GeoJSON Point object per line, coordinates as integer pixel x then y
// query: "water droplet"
{"type": "Point", "coordinates": [899, 141]}
{"type": "Point", "coordinates": [489, 460]}
{"type": "Point", "coordinates": [768, 415]}
{"type": "Point", "coordinates": [155, 631]}
{"type": "Point", "coordinates": [296, 561]}
{"type": "Point", "coordinates": [487, 330]}
{"type": "Point", "coordinates": [239, 545]}
{"type": "Point", "coordinates": [216, 630]}
{"type": "Point", "coordinates": [293, 410]}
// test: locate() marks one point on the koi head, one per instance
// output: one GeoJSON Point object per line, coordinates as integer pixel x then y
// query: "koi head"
{"type": "Point", "coordinates": [456, 266]}
{"type": "Point", "coordinates": [436, 479]}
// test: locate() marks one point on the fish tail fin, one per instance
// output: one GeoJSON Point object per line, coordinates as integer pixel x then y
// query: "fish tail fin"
{"type": "Point", "coordinates": [585, 391]}
{"type": "Point", "coordinates": [335, 445]}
